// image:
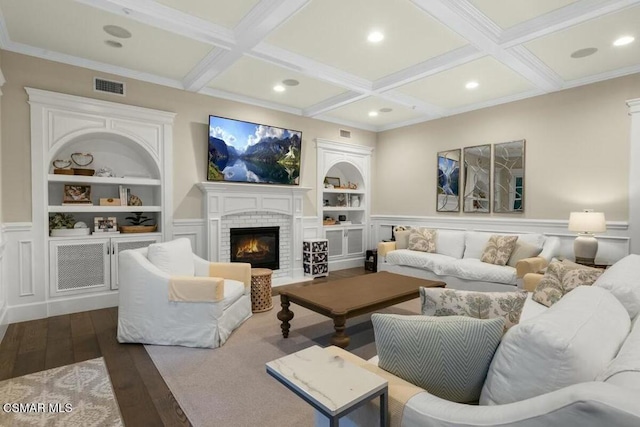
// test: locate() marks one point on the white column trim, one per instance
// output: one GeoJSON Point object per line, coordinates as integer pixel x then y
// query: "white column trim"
{"type": "Point", "coordinates": [634, 175]}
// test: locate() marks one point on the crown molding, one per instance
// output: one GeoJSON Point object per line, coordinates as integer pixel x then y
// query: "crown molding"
{"type": "Point", "coordinates": [560, 19]}
{"type": "Point", "coordinates": [168, 19]}
{"type": "Point", "coordinates": [249, 100]}
{"type": "Point", "coordinates": [92, 65]}
{"type": "Point", "coordinates": [347, 123]}
{"type": "Point", "coordinates": [602, 76]}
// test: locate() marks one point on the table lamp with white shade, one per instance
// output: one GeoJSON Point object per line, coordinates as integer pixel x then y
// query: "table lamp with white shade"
{"type": "Point", "coordinates": [586, 223]}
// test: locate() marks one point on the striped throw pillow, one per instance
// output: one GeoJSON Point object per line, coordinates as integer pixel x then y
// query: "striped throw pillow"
{"type": "Point", "coordinates": [447, 356]}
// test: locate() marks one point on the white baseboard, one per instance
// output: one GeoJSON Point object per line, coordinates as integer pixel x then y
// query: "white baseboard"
{"type": "Point", "coordinates": [346, 263]}
{"type": "Point", "coordinates": [41, 310]}
{"type": "Point", "coordinates": [281, 281]}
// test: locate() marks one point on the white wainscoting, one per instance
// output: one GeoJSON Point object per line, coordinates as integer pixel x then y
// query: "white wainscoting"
{"type": "Point", "coordinates": [613, 245]}
{"type": "Point", "coordinates": [194, 230]}
{"type": "Point", "coordinates": [3, 285]}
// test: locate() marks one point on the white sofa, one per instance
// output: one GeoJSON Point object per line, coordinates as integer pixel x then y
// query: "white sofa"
{"type": "Point", "coordinates": [457, 260]}
{"type": "Point", "coordinates": [585, 372]}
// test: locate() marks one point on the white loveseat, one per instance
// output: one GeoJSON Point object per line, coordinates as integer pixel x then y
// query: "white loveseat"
{"type": "Point", "coordinates": [576, 363]}
{"type": "Point", "coordinates": [457, 260]}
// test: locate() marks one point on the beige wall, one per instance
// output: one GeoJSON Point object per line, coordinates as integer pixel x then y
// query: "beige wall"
{"type": "Point", "coordinates": [577, 152]}
{"type": "Point", "coordinates": [189, 137]}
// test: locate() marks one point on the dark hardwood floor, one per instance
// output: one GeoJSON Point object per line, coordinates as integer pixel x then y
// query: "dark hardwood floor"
{"type": "Point", "coordinates": [142, 394]}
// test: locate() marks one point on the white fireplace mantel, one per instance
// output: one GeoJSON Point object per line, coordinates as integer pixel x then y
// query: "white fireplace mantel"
{"type": "Point", "coordinates": [224, 199]}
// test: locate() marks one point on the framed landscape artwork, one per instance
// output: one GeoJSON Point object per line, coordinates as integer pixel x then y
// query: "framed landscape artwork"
{"type": "Point", "coordinates": [250, 152]}
{"type": "Point", "coordinates": [448, 190]}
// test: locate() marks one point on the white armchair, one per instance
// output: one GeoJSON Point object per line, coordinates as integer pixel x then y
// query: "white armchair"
{"type": "Point", "coordinates": [150, 311]}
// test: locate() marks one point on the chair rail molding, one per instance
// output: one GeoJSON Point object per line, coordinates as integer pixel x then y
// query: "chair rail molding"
{"type": "Point", "coordinates": [634, 175]}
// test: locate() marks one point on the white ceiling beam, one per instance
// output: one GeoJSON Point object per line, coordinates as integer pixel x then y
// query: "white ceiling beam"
{"type": "Point", "coordinates": [427, 68]}
{"type": "Point", "coordinates": [265, 17]}
{"type": "Point", "coordinates": [165, 18]}
{"type": "Point", "coordinates": [412, 103]}
{"type": "Point", "coordinates": [560, 19]}
{"type": "Point", "coordinates": [310, 67]}
{"type": "Point", "coordinates": [463, 18]}
{"type": "Point", "coordinates": [212, 65]}
{"type": "Point", "coordinates": [333, 103]}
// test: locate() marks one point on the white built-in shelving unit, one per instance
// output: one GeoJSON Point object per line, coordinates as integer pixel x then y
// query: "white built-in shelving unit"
{"type": "Point", "coordinates": [136, 144]}
{"type": "Point", "coordinates": [350, 164]}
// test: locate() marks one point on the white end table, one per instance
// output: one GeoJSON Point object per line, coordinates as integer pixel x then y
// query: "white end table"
{"type": "Point", "coordinates": [329, 383]}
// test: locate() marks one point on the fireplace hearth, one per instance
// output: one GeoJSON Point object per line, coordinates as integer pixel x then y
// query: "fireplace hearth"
{"type": "Point", "coordinates": [259, 246]}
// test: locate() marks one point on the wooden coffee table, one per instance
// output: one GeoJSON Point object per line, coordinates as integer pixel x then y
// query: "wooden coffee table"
{"type": "Point", "coordinates": [346, 298]}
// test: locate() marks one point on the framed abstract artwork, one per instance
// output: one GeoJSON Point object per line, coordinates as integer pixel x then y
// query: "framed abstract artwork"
{"type": "Point", "coordinates": [448, 190]}
{"type": "Point", "coordinates": [477, 178]}
{"type": "Point", "coordinates": [508, 175]}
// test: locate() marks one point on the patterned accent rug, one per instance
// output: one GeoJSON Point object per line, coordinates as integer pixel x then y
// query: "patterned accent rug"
{"type": "Point", "coordinates": [73, 395]}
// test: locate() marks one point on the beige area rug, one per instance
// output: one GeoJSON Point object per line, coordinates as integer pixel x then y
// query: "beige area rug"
{"type": "Point", "coordinates": [73, 395]}
{"type": "Point", "coordinates": [229, 386]}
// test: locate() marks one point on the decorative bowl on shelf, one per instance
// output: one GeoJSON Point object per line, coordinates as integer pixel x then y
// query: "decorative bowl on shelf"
{"type": "Point", "coordinates": [138, 228]}
{"type": "Point", "coordinates": [84, 172]}
{"type": "Point", "coordinates": [63, 171]}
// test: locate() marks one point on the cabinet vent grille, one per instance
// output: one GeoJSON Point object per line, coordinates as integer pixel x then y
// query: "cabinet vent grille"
{"type": "Point", "coordinates": [345, 133]}
{"type": "Point", "coordinates": [108, 86]}
{"type": "Point", "coordinates": [80, 266]}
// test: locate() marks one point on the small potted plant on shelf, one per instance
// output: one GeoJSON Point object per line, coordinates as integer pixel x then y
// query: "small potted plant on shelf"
{"type": "Point", "coordinates": [64, 225]}
{"type": "Point", "coordinates": [137, 224]}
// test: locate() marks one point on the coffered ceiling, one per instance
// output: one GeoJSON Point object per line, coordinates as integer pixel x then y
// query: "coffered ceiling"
{"type": "Point", "coordinates": [429, 52]}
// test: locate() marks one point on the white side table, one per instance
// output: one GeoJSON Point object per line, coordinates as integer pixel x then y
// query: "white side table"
{"type": "Point", "coordinates": [329, 383]}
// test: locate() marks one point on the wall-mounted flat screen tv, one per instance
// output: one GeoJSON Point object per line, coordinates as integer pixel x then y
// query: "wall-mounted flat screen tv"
{"type": "Point", "coordinates": [250, 152]}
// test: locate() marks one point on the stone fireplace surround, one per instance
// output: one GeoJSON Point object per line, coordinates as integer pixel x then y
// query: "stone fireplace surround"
{"type": "Point", "coordinates": [228, 205]}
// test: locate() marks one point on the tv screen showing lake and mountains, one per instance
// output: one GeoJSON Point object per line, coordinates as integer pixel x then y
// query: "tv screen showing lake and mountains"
{"type": "Point", "coordinates": [249, 152]}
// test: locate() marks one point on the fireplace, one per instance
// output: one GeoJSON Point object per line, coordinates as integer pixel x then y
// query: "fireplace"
{"type": "Point", "coordinates": [259, 246]}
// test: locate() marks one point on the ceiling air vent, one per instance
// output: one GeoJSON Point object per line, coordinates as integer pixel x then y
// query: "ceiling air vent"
{"type": "Point", "coordinates": [108, 86]}
{"type": "Point", "coordinates": [345, 133]}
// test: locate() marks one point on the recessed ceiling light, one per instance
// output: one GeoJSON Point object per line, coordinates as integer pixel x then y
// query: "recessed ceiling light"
{"type": "Point", "coordinates": [386, 110]}
{"type": "Point", "coordinates": [623, 40]}
{"type": "Point", "coordinates": [582, 53]}
{"type": "Point", "coordinates": [279, 88]}
{"type": "Point", "coordinates": [290, 82]}
{"type": "Point", "coordinates": [113, 43]}
{"type": "Point", "coordinates": [471, 85]}
{"type": "Point", "coordinates": [117, 31]}
{"type": "Point", "coordinates": [373, 113]}
{"type": "Point", "coordinates": [375, 37]}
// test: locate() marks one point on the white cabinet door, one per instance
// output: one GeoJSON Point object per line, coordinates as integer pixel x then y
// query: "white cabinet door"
{"type": "Point", "coordinates": [345, 241]}
{"type": "Point", "coordinates": [336, 242]}
{"type": "Point", "coordinates": [119, 244]}
{"type": "Point", "coordinates": [79, 266]}
{"type": "Point", "coordinates": [354, 241]}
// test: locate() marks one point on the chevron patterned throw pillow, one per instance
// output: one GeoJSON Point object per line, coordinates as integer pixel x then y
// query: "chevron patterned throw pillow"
{"type": "Point", "coordinates": [447, 356]}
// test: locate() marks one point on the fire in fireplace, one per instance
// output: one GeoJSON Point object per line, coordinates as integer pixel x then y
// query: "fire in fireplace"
{"type": "Point", "coordinates": [259, 246]}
